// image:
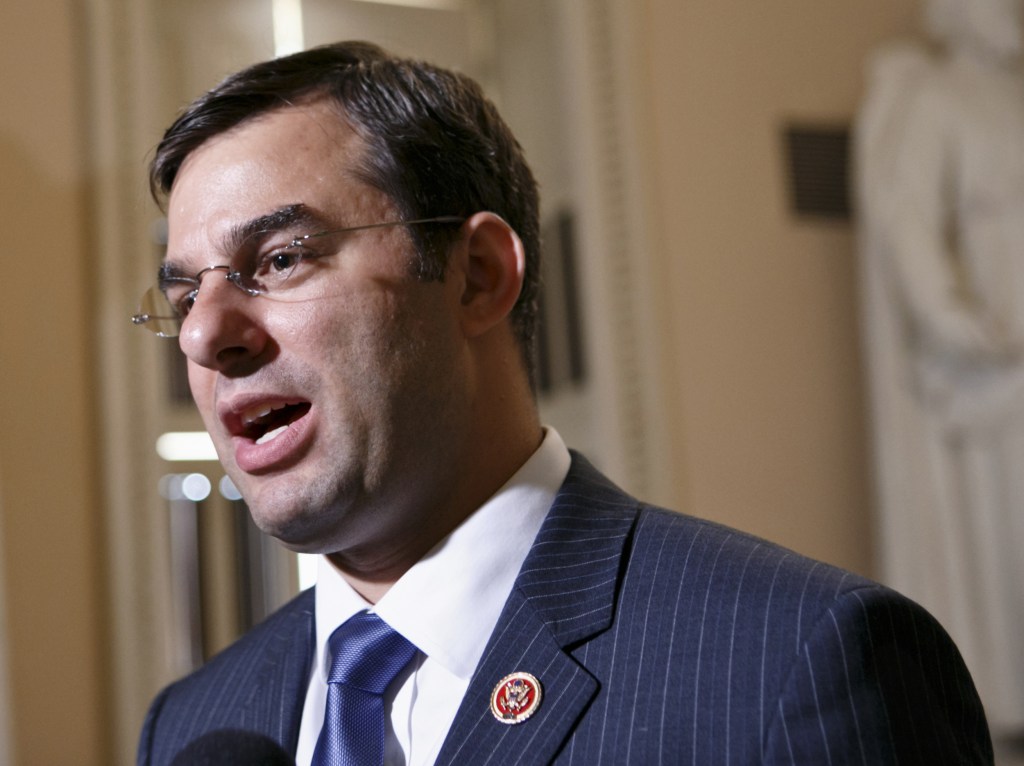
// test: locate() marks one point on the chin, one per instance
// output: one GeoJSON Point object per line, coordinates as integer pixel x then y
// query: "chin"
{"type": "Point", "coordinates": [285, 525]}
{"type": "Point", "coordinates": [299, 526]}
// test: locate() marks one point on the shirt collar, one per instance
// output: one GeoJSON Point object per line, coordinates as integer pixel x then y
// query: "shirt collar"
{"type": "Point", "coordinates": [448, 603]}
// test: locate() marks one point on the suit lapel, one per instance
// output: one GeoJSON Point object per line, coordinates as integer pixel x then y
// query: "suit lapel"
{"type": "Point", "coordinates": [279, 676]}
{"type": "Point", "coordinates": [564, 595]}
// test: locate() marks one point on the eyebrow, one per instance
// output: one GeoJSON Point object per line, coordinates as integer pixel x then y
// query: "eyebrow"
{"type": "Point", "coordinates": [287, 217]}
{"type": "Point", "coordinates": [296, 215]}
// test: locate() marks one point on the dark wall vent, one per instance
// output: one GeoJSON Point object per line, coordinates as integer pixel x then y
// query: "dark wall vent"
{"type": "Point", "coordinates": [819, 169]}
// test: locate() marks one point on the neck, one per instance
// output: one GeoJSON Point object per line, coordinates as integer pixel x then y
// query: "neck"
{"type": "Point", "coordinates": [495, 428]}
{"type": "Point", "coordinates": [483, 471]}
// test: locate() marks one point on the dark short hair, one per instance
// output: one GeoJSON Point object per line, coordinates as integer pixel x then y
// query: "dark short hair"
{"type": "Point", "coordinates": [436, 145]}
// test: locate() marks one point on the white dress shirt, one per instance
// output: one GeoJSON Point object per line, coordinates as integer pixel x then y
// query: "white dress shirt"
{"type": "Point", "coordinates": [447, 605]}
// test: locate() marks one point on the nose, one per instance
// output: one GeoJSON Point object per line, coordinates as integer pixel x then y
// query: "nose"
{"type": "Point", "coordinates": [222, 331]}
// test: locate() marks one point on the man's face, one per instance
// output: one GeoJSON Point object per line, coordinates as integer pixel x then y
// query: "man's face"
{"type": "Point", "coordinates": [366, 378]}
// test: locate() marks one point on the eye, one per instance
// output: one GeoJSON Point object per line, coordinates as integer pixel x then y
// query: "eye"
{"type": "Point", "coordinates": [278, 265]}
{"type": "Point", "coordinates": [284, 260]}
{"type": "Point", "coordinates": [282, 268]}
{"type": "Point", "coordinates": [181, 296]}
{"type": "Point", "coordinates": [183, 305]}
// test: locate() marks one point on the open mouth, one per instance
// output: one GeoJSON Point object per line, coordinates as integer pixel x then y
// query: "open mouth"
{"type": "Point", "coordinates": [269, 421]}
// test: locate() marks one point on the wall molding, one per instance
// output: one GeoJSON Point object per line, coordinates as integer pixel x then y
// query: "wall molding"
{"type": "Point", "coordinates": [623, 312]}
{"type": "Point", "coordinates": [124, 85]}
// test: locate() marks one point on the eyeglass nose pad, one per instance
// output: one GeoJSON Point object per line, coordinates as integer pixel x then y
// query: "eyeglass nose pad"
{"type": "Point", "coordinates": [201, 296]}
{"type": "Point", "coordinates": [236, 278]}
{"type": "Point", "coordinates": [221, 329]}
{"type": "Point", "coordinates": [223, 267]}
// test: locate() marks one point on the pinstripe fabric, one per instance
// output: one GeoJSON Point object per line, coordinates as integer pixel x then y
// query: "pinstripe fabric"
{"type": "Point", "coordinates": [257, 684]}
{"type": "Point", "coordinates": [663, 639]}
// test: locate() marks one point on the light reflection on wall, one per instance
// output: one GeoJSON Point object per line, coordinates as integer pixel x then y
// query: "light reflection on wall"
{"type": "Point", "coordinates": [185, 446]}
{"type": "Point", "coordinates": [288, 35]}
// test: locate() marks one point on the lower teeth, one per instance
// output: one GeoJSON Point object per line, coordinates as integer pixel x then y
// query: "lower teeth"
{"type": "Point", "coordinates": [270, 435]}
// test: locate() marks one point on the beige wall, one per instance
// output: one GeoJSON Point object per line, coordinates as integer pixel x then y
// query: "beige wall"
{"type": "Point", "coordinates": [760, 311]}
{"type": "Point", "coordinates": [768, 398]}
{"type": "Point", "coordinates": [51, 542]}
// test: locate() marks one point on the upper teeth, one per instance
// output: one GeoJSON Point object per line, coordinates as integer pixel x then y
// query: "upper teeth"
{"type": "Point", "coordinates": [251, 416]}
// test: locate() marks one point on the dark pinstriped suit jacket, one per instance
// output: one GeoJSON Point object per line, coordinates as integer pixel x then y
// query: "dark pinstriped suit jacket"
{"type": "Point", "coordinates": [658, 639]}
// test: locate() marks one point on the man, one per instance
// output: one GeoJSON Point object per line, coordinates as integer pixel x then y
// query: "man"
{"type": "Point", "coordinates": [364, 370]}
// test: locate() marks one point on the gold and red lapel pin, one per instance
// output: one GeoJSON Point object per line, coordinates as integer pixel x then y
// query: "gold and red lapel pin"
{"type": "Point", "coordinates": [515, 698]}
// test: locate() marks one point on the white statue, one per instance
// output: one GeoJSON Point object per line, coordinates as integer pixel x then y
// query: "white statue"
{"type": "Point", "coordinates": [940, 173]}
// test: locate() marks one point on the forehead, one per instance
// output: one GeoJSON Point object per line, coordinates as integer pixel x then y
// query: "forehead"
{"type": "Point", "coordinates": [299, 155]}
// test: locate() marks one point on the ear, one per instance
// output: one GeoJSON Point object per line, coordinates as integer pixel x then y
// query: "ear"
{"type": "Point", "coordinates": [494, 264]}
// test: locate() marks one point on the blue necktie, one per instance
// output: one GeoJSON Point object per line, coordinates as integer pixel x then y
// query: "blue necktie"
{"type": "Point", "coordinates": [366, 655]}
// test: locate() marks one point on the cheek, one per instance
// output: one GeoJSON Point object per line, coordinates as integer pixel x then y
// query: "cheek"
{"type": "Point", "coordinates": [371, 348]}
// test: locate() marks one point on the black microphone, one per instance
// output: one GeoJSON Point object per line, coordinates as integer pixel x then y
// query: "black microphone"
{"type": "Point", "coordinates": [233, 747]}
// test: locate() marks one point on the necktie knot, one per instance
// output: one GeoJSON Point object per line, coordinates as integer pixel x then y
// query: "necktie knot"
{"type": "Point", "coordinates": [367, 654]}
